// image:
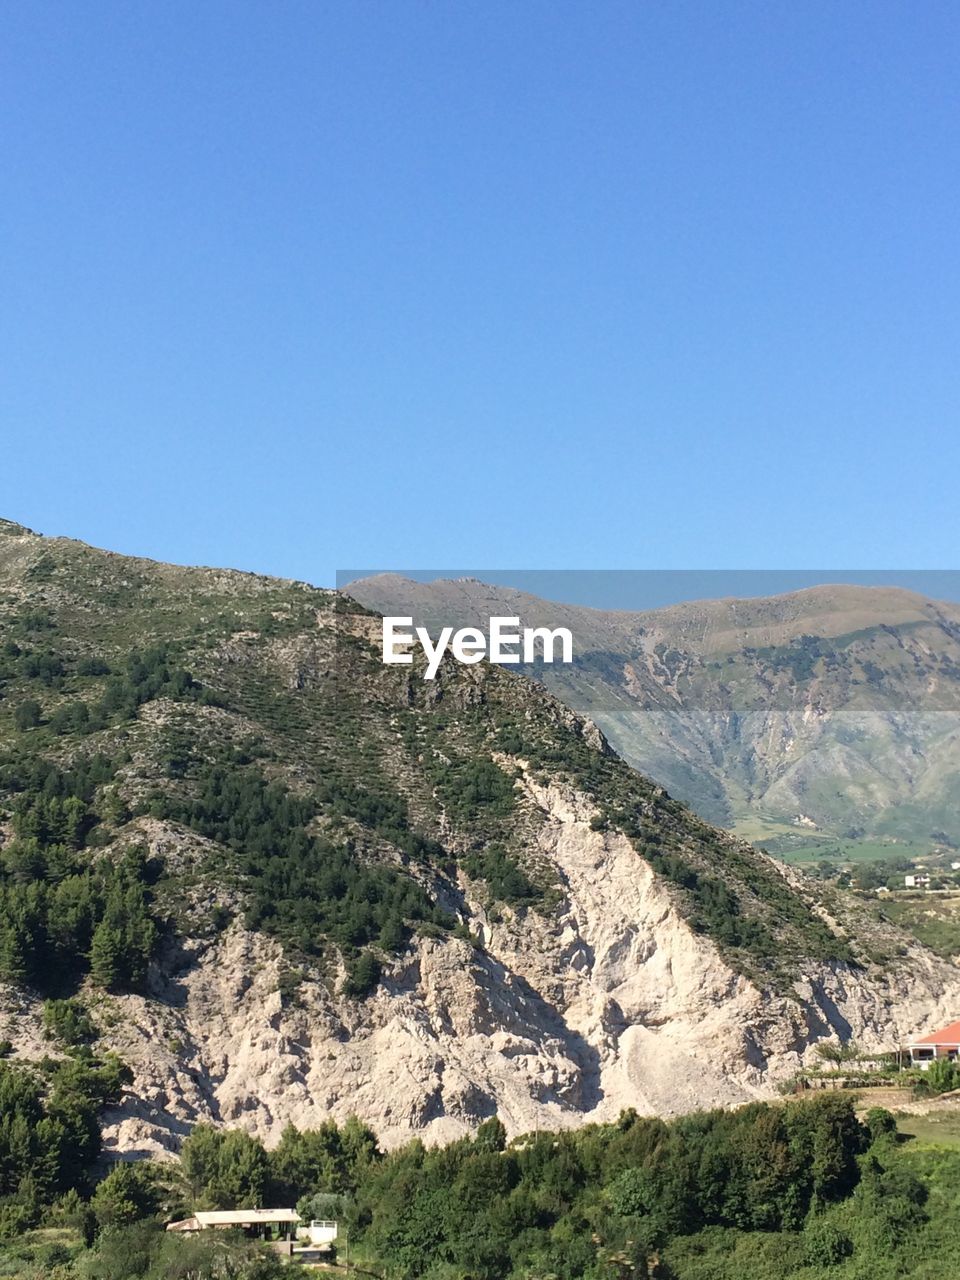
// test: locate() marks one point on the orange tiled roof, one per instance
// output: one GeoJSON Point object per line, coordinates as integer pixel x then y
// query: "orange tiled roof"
{"type": "Point", "coordinates": [949, 1035]}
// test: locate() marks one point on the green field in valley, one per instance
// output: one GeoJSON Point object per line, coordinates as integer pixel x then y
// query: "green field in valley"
{"type": "Point", "coordinates": [801, 846]}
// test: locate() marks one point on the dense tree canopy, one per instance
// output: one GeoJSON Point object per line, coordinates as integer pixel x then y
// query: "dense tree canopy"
{"type": "Point", "coordinates": [62, 912]}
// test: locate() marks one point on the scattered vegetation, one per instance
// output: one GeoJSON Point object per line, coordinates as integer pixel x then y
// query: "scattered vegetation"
{"type": "Point", "coordinates": [733, 894]}
{"type": "Point", "coordinates": [308, 890]}
{"type": "Point", "coordinates": [142, 677]}
{"type": "Point", "coordinates": [934, 921]}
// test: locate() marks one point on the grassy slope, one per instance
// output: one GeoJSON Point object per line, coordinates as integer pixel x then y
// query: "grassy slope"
{"type": "Point", "coordinates": [934, 920]}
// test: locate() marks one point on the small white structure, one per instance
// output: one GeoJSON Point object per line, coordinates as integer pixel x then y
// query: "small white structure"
{"type": "Point", "coordinates": [917, 881]}
{"type": "Point", "coordinates": [320, 1232]}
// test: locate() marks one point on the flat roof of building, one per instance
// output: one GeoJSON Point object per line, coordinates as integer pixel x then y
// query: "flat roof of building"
{"type": "Point", "coordinates": [244, 1217]}
{"type": "Point", "coordinates": [233, 1218]}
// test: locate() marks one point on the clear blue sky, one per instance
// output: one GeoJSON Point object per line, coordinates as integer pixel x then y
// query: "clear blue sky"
{"type": "Point", "coordinates": [300, 286]}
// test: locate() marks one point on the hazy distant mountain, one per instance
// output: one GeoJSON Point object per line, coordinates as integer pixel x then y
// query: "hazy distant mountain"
{"type": "Point", "coordinates": [834, 710]}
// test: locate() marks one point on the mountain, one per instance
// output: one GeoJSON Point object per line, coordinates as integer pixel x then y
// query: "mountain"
{"type": "Point", "coordinates": [286, 882]}
{"type": "Point", "coordinates": [825, 714]}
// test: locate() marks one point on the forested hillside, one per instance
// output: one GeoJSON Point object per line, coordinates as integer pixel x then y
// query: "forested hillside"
{"type": "Point", "coordinates": [343, 798]}
{"type": "Point", "coordinates": [804, 1190]}
{"type": "Point", "coordinates": [286, 882]}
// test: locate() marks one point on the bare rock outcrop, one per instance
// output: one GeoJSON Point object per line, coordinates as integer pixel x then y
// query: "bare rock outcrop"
{"type": "Point", "coordinates": [611, 1002]}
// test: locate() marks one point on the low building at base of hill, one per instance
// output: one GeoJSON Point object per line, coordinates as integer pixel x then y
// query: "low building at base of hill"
{"type": "Point", "coordinates": [939, 1044]}
{"type": "Point", "coordinates": [276, 1227]}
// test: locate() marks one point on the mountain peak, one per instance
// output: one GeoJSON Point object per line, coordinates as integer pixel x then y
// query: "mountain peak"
{"type": "Point", "coordinates": [12, 529]}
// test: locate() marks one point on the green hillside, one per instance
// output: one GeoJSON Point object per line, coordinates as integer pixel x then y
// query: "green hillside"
{"type": "Point", "coordinates": [336, 800]}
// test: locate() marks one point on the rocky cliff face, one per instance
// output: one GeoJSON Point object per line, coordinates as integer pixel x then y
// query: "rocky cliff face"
{"type": "Point", "coordinates": [552, 938]}
{"type": "Point", "coordinates": [613, 1002]}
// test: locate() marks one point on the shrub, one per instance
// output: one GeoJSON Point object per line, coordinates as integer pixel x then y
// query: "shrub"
{"type": "Point", "coordinates": [940, 1077]}
{"type": "Point", "coordinates": [67, 1022]}
{"type": "Point", "coordinates": [825, 1245]}
{"type": "Point", "coordinates": [363, 974]}
{"type": "Point", "coordinates": [27, 715]}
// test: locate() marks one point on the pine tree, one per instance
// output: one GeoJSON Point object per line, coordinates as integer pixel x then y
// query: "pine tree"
{"type": "Point", "coordinates": [13, 960]}
{"type": "Point", "coordinates": [106, 956]}
{"type": "Point", "coordinates": [123, 1196]}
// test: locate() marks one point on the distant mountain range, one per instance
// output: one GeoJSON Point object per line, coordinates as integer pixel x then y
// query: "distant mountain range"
{"type": "Point", "coordinates": [824, 715]}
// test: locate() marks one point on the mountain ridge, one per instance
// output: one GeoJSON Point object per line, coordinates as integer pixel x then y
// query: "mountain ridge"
{"type": "Point", "coordinates": [289, 882]}
{"type": "Point", "coordinates": [752, 710]}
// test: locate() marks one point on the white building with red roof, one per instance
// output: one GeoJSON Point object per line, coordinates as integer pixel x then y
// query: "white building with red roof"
{"type": "Point", "coordinates": [940, 1044]}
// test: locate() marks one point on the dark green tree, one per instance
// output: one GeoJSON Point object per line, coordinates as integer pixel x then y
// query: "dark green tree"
{"type": "Point", "coordinates": [27, 714]}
